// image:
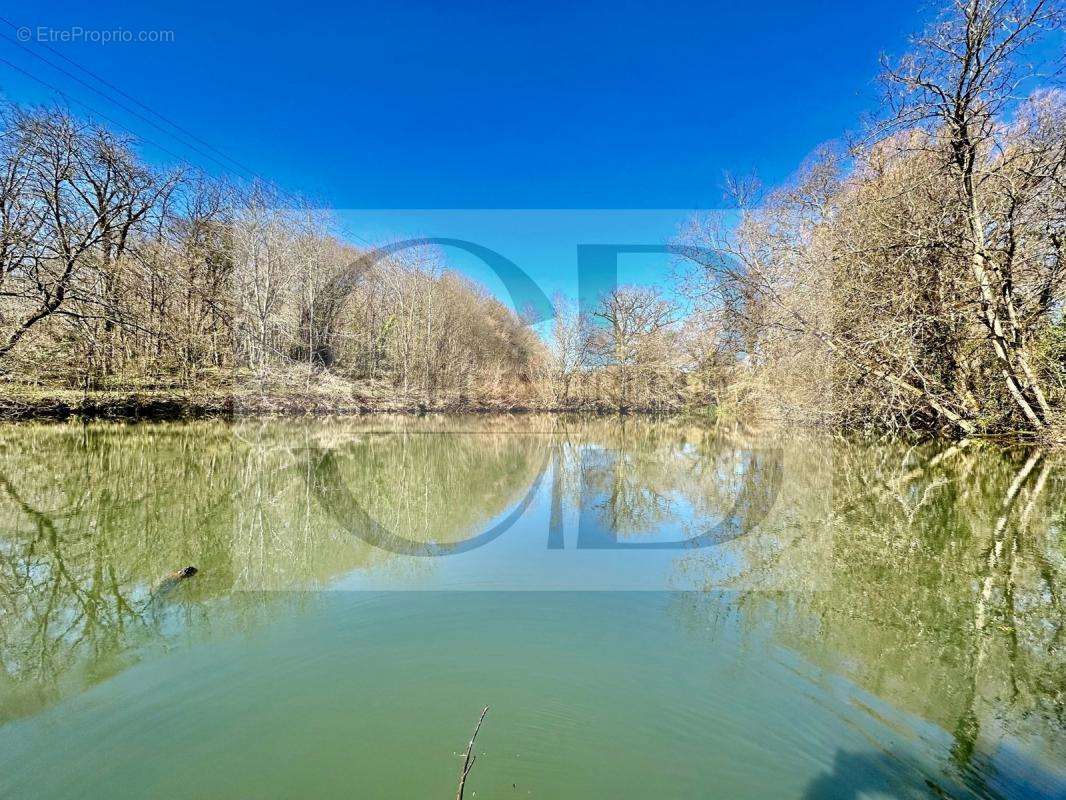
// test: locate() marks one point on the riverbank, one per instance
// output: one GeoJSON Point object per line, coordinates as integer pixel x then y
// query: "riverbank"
{"type": "Point", "coordinates": [326, 395]}
{"type": "Point", "coordinates": [278, 398]}
{"type": "Point", "coordinates": [175, 404]}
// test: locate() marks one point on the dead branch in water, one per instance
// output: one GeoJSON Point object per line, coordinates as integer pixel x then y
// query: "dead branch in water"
{"type": "Point", "coordinates": [469, 757]}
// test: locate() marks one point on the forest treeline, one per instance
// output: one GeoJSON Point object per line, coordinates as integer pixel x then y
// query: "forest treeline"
{"type": "Point", "coordinates": [910, 280]}
{"type": "Point", "coordinates": [118, 276]}
{"type": "Point", "coordinates": [121, 279]}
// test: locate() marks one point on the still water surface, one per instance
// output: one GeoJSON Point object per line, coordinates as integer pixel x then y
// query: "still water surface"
{"type": "Point", "coordinates": [847, 619]}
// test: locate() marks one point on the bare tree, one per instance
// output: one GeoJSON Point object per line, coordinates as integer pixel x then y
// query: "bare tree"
{"type": "Point", "coordinates": [49, 226]}
{"type": "Point", "coordinates": [569, 348]}
{"type": "Point", "coordinates": [960, 79]}
{"type": "Point", "coordinates": [632, 338]}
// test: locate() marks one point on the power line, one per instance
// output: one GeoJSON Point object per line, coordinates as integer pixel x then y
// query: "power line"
{"type": "Point", "coordinates": [295, 199]}
{"type": "Point", "coordinates": [64, 95]}
{"type": "Point", "coordinates": [133, 99]}
{"type": "Point", "coordinates": [93, 89]}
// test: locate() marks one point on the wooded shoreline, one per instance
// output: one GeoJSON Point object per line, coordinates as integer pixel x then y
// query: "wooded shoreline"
{"type": "Point", "coordinates": [176, 406]}
{"type": "Point", "coordinates": [173, 405]}
{"type": "Point", "coordinates": [914, 281]}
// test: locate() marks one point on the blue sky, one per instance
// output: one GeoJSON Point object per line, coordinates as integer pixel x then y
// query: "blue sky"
{"type": "Point", "coordinates": [473, 105]}
{"type": "Point", "coordinates": [421, 107]}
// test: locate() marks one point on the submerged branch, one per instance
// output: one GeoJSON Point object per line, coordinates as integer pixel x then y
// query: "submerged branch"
{"type": "Point", "coordinates": [469, 757]}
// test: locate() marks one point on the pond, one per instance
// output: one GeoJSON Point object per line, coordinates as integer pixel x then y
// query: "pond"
{"type": "Point", "coordinates": [650, 609]}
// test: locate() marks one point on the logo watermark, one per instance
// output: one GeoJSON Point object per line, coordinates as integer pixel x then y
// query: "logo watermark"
{"type": "Point", "coordinates": [45, 34]}
{"type": "Point", "coordinates": [621, 502]}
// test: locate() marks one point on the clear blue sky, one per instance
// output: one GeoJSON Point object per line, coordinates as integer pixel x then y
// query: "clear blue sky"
{"type": "Point", "coordinates": [476, 105]}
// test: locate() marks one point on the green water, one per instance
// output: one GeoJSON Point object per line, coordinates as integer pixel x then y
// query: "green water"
{"type": "Point", "coordinates": [860, 618]}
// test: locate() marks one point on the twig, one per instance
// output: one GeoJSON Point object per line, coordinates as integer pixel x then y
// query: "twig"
{"type": "Point", "coordinates": [468, 759]}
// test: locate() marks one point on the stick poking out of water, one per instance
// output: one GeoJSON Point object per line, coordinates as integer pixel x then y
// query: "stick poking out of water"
{"type": "Point", "coordinates": [469, 757]}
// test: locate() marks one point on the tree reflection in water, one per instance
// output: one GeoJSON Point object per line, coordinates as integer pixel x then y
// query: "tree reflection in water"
{"type": "Point", "coordinates": [930, 577]}
{"type": "Point", "coordinates": [941, 594]}
{"type": "Point", "coordinates": [91, 517]}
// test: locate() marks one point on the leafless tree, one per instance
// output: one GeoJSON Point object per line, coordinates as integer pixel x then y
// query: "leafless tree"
{"type": "Point", "coordinates": [631, 335]}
